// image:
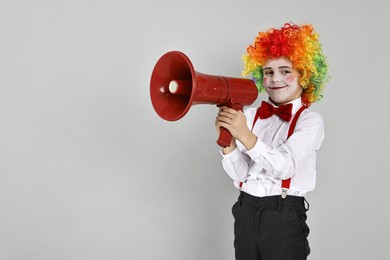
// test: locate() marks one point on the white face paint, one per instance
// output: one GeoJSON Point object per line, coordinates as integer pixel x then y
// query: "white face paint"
{"type": "Point", "coordinates": [280, 80]}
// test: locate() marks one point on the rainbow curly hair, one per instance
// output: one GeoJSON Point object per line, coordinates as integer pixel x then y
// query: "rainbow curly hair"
{"type": "Point", "coordinates": [301, 46]}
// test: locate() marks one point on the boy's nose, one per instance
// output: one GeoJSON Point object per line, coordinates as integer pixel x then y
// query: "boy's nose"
{"type": "Point", "coordinates": [276, 78]}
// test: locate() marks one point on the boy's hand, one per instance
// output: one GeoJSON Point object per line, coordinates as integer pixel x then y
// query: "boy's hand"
{"type": "Point", "coordinates": [235, 122]}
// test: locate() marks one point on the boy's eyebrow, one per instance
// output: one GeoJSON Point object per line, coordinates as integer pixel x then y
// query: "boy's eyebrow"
{"type": "Point", "coordinates": [281, 67]}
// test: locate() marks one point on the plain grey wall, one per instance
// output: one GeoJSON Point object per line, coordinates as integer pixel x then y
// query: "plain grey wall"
{"type": "Point", "coordinates": [89, 171]}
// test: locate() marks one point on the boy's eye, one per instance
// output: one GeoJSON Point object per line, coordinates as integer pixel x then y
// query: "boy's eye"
{"type": "Point", "coordinates": [285, 71]}
{"type": "Point", "coordinates": [268, 72]}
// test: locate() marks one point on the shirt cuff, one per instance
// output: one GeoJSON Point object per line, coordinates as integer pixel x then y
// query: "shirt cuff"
{"type": "Point", "coordinates": [257, 150]}
{"type": "Point", "coordinates": [235, 154]}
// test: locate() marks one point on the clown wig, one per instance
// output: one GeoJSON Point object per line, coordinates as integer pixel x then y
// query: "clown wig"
{"type": "Point", "coordinates": [301, 46]}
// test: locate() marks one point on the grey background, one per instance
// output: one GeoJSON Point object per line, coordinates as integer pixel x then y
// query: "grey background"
{"type": "Point", "coordinates": [89, 171]}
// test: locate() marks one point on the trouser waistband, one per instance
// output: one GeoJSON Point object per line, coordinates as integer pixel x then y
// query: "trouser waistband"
{"type": "Point", "coordinates": [271, 201]}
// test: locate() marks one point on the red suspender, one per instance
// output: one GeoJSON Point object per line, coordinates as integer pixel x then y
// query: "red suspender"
{"type": "Point", "coordinates": [285, 183]}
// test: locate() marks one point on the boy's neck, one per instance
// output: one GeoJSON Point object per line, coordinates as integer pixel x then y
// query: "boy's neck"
{"type": "Point", "coordinates": [280, 104]}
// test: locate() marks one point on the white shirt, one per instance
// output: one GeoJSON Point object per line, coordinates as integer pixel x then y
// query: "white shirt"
{"type": "Point", "coordinates": [274, 157]}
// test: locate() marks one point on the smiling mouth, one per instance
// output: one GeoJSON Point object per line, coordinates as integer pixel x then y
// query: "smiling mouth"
{"type": "Point", "coordinates": [276, 88]}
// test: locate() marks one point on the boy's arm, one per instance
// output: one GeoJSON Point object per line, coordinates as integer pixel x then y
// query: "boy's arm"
{"type": "Point", "coordinates": [236, 164]}
{"type": "Point", "coordinates": [230, 148]}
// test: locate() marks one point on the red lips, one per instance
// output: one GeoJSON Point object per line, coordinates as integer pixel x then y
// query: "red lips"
{"type": "Point", "coordinates": [276, 88]}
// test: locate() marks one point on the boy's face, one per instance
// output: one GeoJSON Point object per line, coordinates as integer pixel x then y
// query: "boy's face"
{"type": "Point", "coordinates": [281, 81]}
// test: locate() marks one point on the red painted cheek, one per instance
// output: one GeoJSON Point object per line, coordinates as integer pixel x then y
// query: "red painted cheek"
{"type": "Point", "coordinates": [265, 81]}
{"type": "Point", "coordinates": [290, 79]}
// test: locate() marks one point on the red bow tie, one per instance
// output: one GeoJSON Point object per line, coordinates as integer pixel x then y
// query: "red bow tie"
{"type": "Point", "coordinates": [266, 110]}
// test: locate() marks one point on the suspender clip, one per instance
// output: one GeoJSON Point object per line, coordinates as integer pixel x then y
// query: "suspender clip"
{"type": "Point", "coordinates": [284, 194]}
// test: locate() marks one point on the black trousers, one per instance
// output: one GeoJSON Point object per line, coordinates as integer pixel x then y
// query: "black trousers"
{"type": "Point", "coordinates": [270, 228]}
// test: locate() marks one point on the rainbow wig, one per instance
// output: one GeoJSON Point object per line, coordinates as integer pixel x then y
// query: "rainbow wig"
{"type": "Point", "coordinates": [301, 46]}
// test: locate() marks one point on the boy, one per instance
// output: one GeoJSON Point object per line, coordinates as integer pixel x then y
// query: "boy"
{"type": "Point", "coordinates": [272, 156]}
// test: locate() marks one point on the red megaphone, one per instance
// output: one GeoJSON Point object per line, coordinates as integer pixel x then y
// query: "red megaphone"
{"type": "Point", "coordinates": [175, 86]}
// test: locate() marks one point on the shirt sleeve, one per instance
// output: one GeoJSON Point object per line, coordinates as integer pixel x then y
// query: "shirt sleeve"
{"type": "Point", "coordinates": [236, 164]}
{"type": "Point", "coordinates": [282, 161]}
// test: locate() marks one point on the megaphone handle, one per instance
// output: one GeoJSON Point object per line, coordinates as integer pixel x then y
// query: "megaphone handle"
{"type": "Point", "coordinates": [225, 137]}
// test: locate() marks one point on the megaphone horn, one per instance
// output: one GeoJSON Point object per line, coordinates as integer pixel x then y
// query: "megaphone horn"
{"type": "Point", "coordinates": [175, 86]}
